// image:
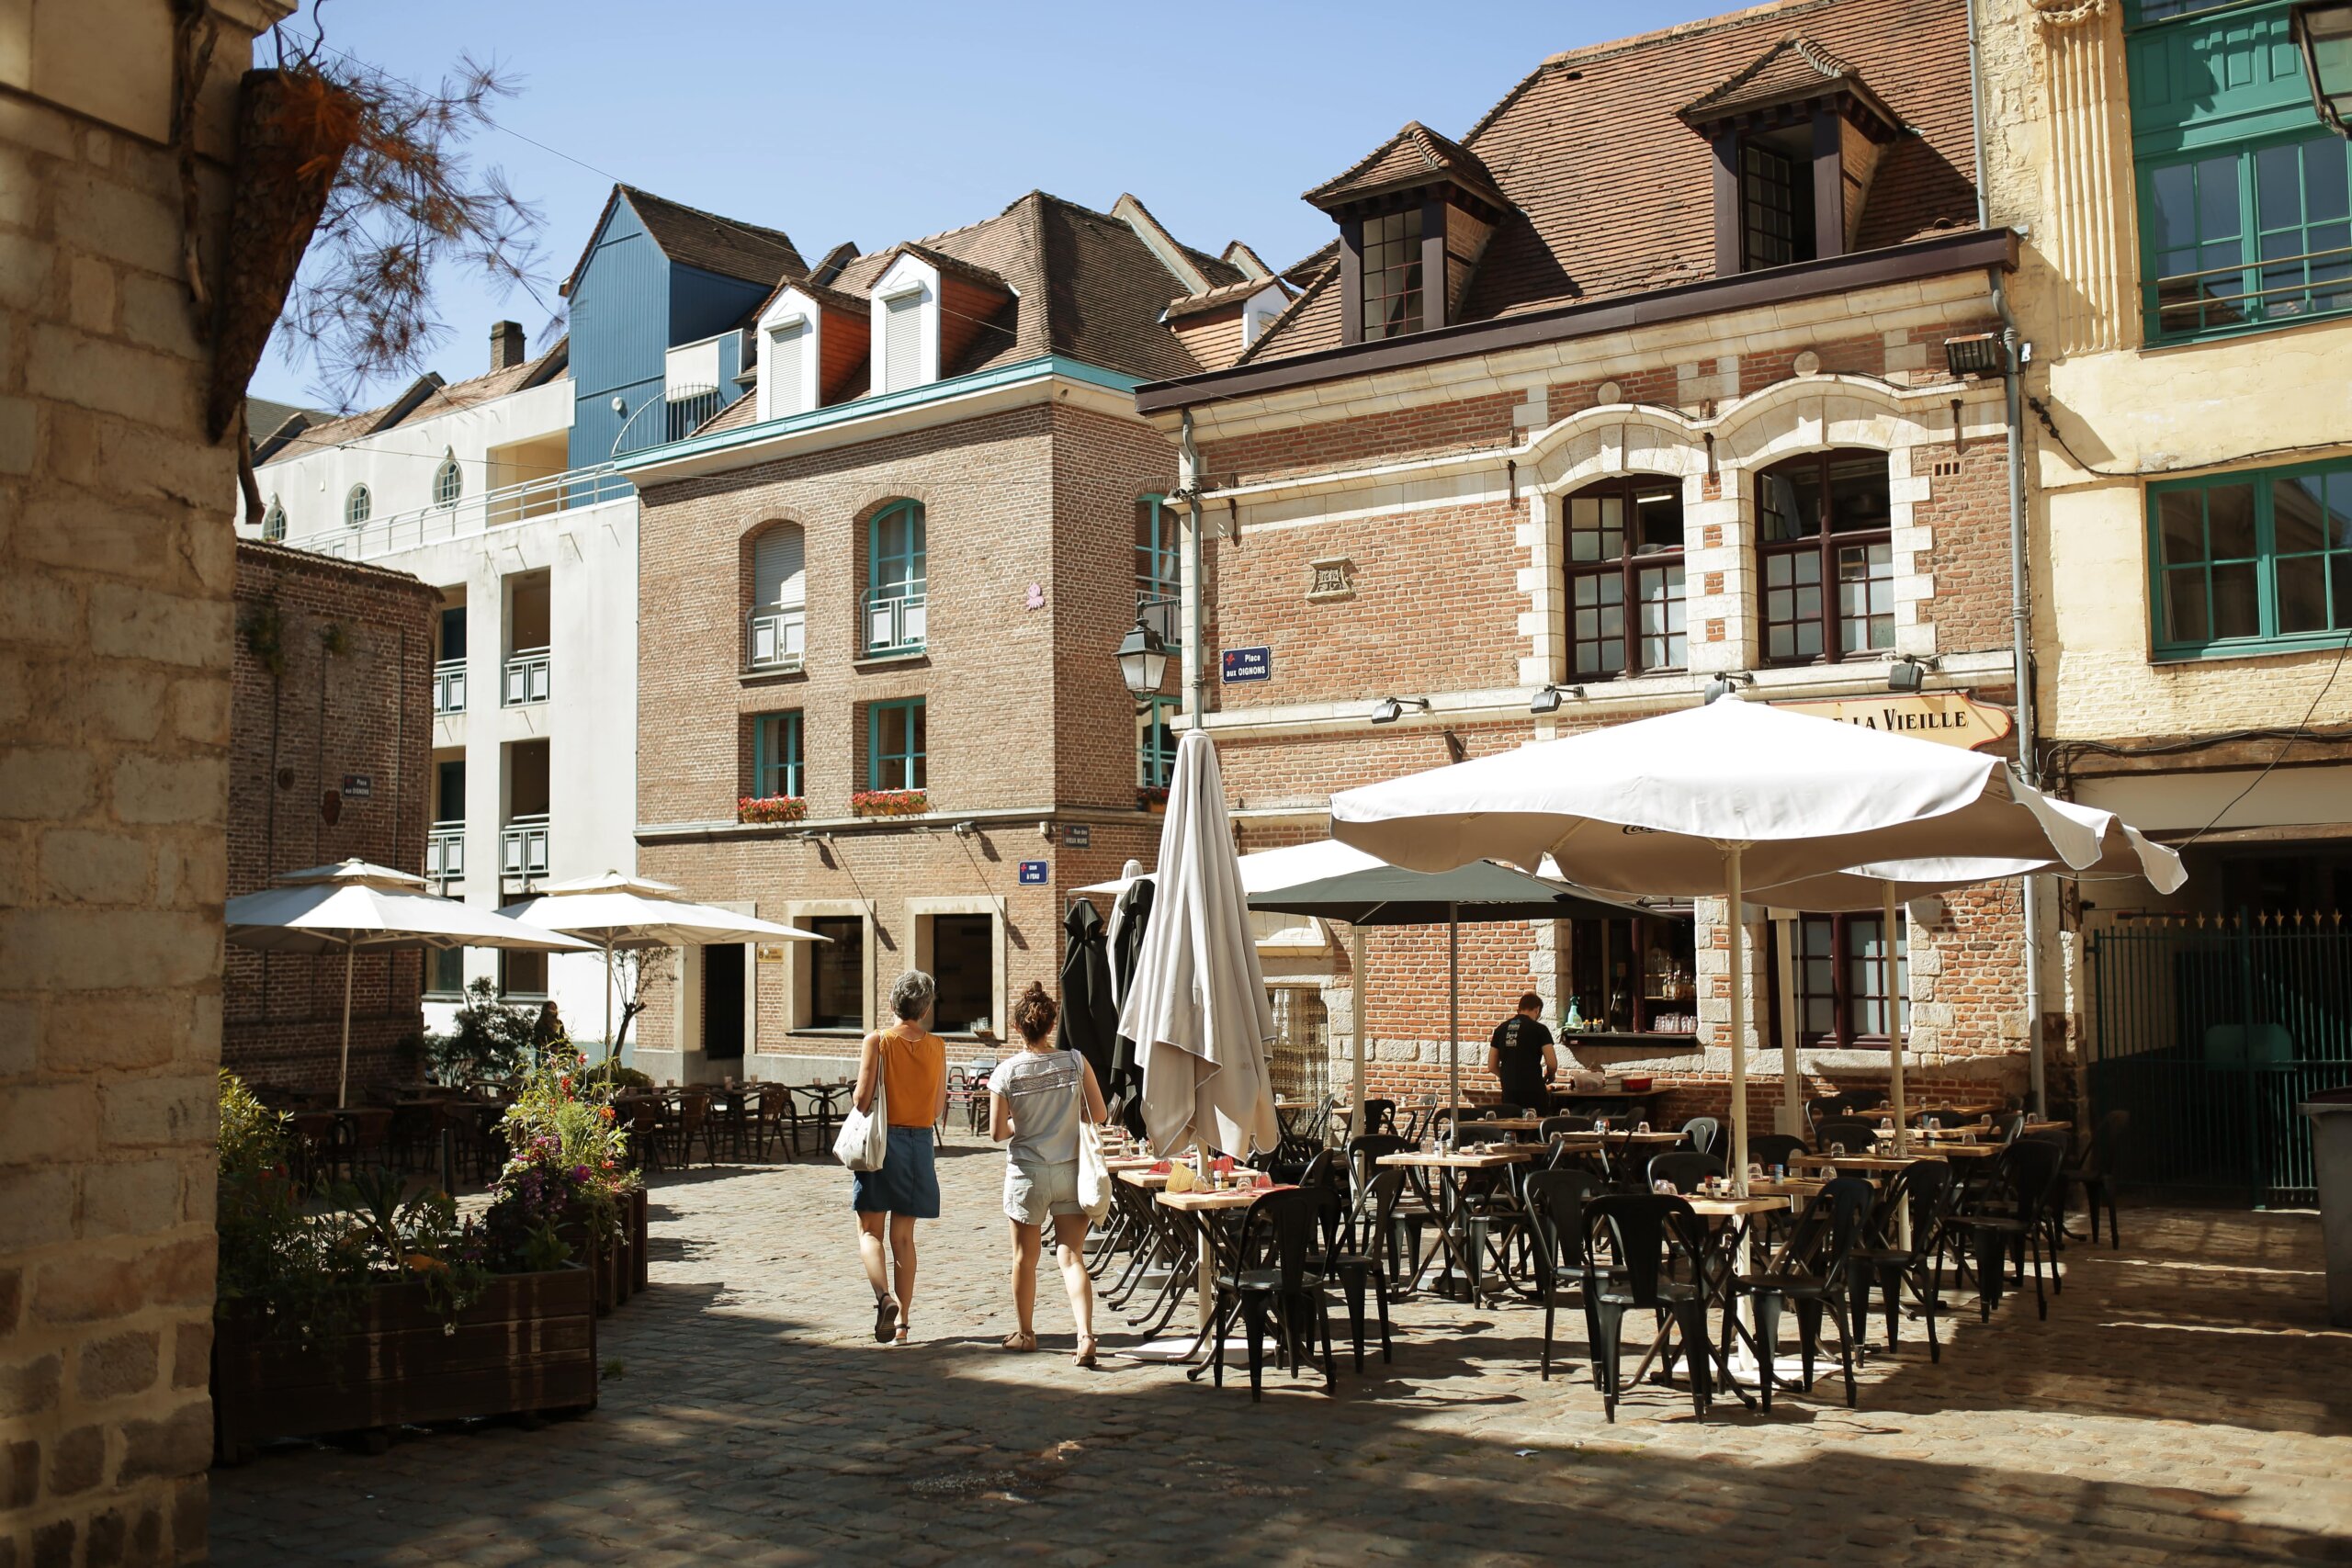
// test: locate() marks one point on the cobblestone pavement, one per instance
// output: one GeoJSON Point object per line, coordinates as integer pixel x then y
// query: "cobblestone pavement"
{"type": "Point", "coordinates": [2184, 1401]}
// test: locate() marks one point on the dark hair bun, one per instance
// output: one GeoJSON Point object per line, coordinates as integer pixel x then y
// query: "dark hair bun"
{"type": "Point", "coordinates": [1034, 1013]}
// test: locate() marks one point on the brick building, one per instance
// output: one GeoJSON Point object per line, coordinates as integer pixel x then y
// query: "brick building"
{"type": "Point", "coordinates": [329, 756]}
{"type": "Point", "coordinates": [879, 602]}
{"type": "Point", "coordinates": [1641, 386]}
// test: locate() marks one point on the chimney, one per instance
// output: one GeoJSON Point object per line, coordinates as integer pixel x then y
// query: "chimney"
{"type": "Point", "coordinates": [505, 345]}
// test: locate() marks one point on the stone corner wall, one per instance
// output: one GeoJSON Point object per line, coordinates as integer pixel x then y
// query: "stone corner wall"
{"type": "Point", "coordinates": [116, 568]}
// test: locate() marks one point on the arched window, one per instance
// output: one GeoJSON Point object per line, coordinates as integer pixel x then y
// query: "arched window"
{"type": "Point", "coordinates": [448, 481]}
{"type": "Point", "coordinates": [1625, 598]}
{"type": "Point", "coordinates": [1826, 556]}
{"type": "Point", "coordinates": [357, 506]}
{"type": "Point", "coordinates": [779, 599]}
{"type": "Point", "coordinates": [897, 595]}
{"type": "Point", "coordinates": [273, 522]}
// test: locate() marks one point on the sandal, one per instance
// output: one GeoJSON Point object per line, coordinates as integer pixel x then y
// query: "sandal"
{"type": "Point", "coordinates": [1087, 1347]}
{"type": "Point", "coordinates": [903, 1331]}
{"type": "Point", "coordinates": [1016, 1341]}
{"type": "Point", "coordinates": [886, 1319]}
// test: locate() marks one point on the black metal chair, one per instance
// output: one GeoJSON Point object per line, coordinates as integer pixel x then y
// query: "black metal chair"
{"type": "Point", "coordinates": [1563, 1123]}
{"type": "Point", "coordinates": [1659, 1248]}
{"type": "Point", "coordinates": [1919, 1192]}
{"type": "Point", "coordinates": [1373, 1218]}
{"type": "Point", "coordinates": [1810, 1274]}
{"type": "Point", "coordinates": [1270, 1284]}
{"type": "Point", "coordinates": [1377, 1116]}
{"type": "Point", "coordinates": [2025, 1183]}
{"type": "Point", "coordinates": [1854, 1134]}
{"type": "Point", "coordinates": [1685, 1168]}
{"type": "Point", "coordinates": [1769, 1149]}
{"type": "Point", "coordinates": [1703, 1133]}
{"type": "Point", "coordinates": [2095, 1173]}
{"type": "Point", "coordinates": [1555, 1205]}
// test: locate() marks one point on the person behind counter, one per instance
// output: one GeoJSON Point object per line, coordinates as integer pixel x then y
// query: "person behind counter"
{"type": "Point", "coordinates": [1522, 1057]}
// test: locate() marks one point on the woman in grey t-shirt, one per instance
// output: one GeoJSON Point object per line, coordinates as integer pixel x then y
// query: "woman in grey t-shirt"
{"type": "Point", "coordinates": [1037, 1099]}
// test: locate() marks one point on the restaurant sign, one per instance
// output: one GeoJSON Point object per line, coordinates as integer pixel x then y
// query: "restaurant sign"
{"type": "Point", "coordinates": [1949, 718]}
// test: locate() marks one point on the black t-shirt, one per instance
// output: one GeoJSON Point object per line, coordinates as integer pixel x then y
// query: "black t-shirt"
{"type": "Point", "coordinates": [1518, 1044]}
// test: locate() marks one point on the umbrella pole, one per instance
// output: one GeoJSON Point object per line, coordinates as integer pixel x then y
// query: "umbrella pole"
{"type": "Point", "coordinates": [1894, 1021]}
{"type": "Point", "coordinates": [1732, 892]}
{"type": "Point", "coordinates": [1355, 967]}
{"type": "Point", "coordinates": [610, 1049]}
{"type": "Point", "coordinates": [1453, 1021]}
{"type": "Point", "coordinates": [343, 1076]}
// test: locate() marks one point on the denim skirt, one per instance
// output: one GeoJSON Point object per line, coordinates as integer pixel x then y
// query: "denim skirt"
{"type": "Point", "coordinates": [907, 1183]}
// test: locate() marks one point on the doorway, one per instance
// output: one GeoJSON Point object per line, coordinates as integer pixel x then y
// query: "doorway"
{"type": "Point", "coordinates": [722, 1002]}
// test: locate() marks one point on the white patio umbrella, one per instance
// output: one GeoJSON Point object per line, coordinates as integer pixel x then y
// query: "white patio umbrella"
{"type": "Point", "coordinates": [2124, 851]}
{"type": "Point", "coordinates": [1197, 1010]}
{"type": "Point", "coordinates": [1713, 800]}
{"type": "Point", "coordinates": [353, 905]}
{"type": "Point", "coordinates": [615, 910]}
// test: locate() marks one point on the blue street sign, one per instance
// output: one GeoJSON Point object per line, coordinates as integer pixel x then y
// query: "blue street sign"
{"type": "Point", "coordinates": [1249, 664]}
{"type": "Point", "coordinates": [1033, 870]}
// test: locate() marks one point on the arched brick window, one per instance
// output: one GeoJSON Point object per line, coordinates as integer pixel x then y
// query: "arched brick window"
{"type": "Point", "coordinates": [1826, 556]}
{"type": "Point", "coordinates": [1626, 596]}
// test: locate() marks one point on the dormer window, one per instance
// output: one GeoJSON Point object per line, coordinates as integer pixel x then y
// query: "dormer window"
{"type": "Point", "coordinates": [901, 364]}
{"type": "Point", "coordinates": [932, 311]}
{"type": "Point", "coordinates": [1414, 221]}
{"type": "Point", "coordinates": [1797, 137]}
{"type": "Point", "coordinates": [812, 347]}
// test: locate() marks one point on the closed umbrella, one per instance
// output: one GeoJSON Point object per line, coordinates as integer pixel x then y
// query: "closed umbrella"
{"type": "Point", "coordinates": [617, 911]}
{"type": "Point", "coordinates": [1713, 800]}
{"type": "Point", "coordinates": [1197, 1010]}
{"type": "Point", "coordinates": [1090, 1017]}
{"type": "Point", "coordinates": [353, 905]}
{"type": "Point", "coordinates": [2124, 851]}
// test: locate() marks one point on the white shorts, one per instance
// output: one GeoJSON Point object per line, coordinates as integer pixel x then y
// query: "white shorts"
{"type": "Point", "coordinates": [1033, 1193]}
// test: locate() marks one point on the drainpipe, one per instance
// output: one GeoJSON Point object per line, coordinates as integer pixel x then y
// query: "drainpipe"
{"type": "Point", "coordinates": [2020, 593]}
{"type": "Point", "coordinates": [1195, 643]}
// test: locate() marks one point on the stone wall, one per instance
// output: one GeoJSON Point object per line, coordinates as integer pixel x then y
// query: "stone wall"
{"type": "Point", "coordinates": [116, 569]}
{"type": "Point", "coordinates": [331, 723]}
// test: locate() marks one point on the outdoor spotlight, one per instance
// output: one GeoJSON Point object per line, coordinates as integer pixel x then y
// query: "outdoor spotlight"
{"type": "Point", "coordinates": [1548, 700]}
{"type": "Point", "coordinates": [1904, 675]}
{"type": "Point", "coordinates": [1980, 353]}
{"type": "Point", "coordinates": [2322, 31]}
{"type": "Point", "coordinates": [1388, 710]}
{"type": "Point", "coordinates": [1723, 685]}
{"type": "Point", "coordinates": [1142, 659]}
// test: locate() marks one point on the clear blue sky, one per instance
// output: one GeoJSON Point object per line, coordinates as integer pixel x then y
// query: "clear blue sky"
{"type": "Point", "coordinates": [1216, 115]}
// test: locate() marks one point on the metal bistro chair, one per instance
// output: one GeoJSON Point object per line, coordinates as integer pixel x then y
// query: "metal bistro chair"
{"type": "Point", "coordinates": [1920, 1190]}
{"type": "Point", "coordinates": [1852, 1133]}
{"type": "Point", "coordinates": [1659, 1248]}
{"type": "Point", "coordinates": [1269, 1284]}
{"type": "Point", "coordinates": [1769, 1149]}
{"type": "Point", "coordinates": [2027, 1171]}
{"type": "Point", "coordinates": [2095, 1173]}
{"type": "Point", "coordinates": [1555, 1205]}
{"type": "Point", "coordinates": [1377, 1116]}
{"type": "Point", "coordinates": [1704, 1133]}
{"type": "Point", "coordinates": [1810, 1275]}
{"type": "Point", "coordinates": [1684, 1169]}
{"type": "Point", "coordinates": [1375, 1219]}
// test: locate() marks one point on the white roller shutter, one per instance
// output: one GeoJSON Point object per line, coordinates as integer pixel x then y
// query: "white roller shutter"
{"type": "Point", "coordinates": [778, 568]}
{"type": "Point", "coordinates": [787, 366]}
{"type": "Point", "coordinates": [901, 344]}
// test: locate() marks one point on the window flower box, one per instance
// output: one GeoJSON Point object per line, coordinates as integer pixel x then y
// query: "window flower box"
{"type": "Point", "coordinates": [770, 809]}
{"type": "Point", "coordinates": [1152, 797]}
{"type": "Point", "coordinates": [888, 802]}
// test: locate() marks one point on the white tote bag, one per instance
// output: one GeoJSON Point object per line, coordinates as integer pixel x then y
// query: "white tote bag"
{"type": "Point", "coordinates": [1093, 1171]}
{"type": "Point", "coordinates": [863, 1141]}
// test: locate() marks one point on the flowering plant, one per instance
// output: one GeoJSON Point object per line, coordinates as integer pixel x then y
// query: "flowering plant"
{"type": "Point", "coordinates": [1151, 797]}
{"type": "Point", "coordinates": [569, 1164]}
{"type": "Point", "coordinates": [770, 809]}
{"type": "Point", "coordinates": [889, 802]}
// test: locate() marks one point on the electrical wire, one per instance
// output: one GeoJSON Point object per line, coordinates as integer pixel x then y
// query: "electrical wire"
{"type": "Point", "coordinates": [2284, 747]}
{"type": "Point", "coordinates": [2041, 412]}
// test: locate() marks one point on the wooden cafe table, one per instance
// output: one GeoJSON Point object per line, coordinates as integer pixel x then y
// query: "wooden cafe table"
{"type": "Point", "coordinates": [1451, 1168]}
{"type": "Point", "coordinates": [1205, 1201]}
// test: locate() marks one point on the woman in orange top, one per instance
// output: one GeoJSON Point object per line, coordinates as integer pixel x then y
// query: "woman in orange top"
{"type": "Point", "coordinates": [910, 1064]}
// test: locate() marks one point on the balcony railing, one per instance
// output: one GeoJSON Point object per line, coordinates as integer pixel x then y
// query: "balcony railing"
{"type": "Point", "coordinates": [527, 677]}
{"type": "Point", "coordinates": [778, 638]}
{"type": "Point", "coordinates": [895, 618]}
{"type": "Point", "coordinates": [444, 852]}
{"type": "Point", "coordinates": [449, 686]}
{"type": "Point", "coordinates": [471, 516]}
{"type": "Point", "coordinates": [1158, 606]}
{"type": "Point", "coordinates": [2272, 289]}
{"type": "Point", "coordinates": [523, 848]}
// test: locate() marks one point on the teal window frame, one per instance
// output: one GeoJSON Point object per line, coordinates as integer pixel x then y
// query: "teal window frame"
{"type": "Point", "coordinates": [1156, 742]}
{"type": "Point", "coordinates": [908, 766]}
{"type": "Point", "coordinates": [2252, 571]}
{"type": "Point", "coordinates": [1160, 569]}
{"type": "Point", "coordinates": [898, 572]}
{"type": "Point", "coordinates": [776, 754]}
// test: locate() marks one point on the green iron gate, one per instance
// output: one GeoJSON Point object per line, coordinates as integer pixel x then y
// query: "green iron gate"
{"type": "Point", "coordinates": [2209, 1030]}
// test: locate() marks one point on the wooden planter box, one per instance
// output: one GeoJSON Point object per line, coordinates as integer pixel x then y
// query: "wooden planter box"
{"type": "Point", "coordinates": [528, 1347]}
{"type": "Point", "coordinates": [619, 1268]}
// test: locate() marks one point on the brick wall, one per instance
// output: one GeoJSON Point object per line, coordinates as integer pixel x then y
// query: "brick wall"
{"type": "Point", "coordinates": [347, 692]}
{"type": "Point", "coordinates": [116, 572]}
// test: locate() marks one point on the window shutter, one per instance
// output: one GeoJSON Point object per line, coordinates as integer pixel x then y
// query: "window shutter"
{"type": "Point", "coordinates": [787, 346]}
{"type": "Point", "coordinates": [778, 568]}
{"type": "Point", "coordinates": [901, 356]}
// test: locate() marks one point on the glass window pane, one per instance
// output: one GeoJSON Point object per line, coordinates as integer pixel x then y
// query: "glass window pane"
{"type": "Point", "coordinates": [2237, 608]}
{"type": "Point", "coordinates": [2326, 190]}
{"type": "Point", "coordinates": [1857, 493]}
{"type": "Point", "coordinates": [2180, 522]}
{"type": "Point", "coordinates": [2229, 519]}
{"type": "Point", "coordinates": [1657, 515]}
{"type": "Point", "coordinates": [2278, 187]}
{"type": "Point", "coordinates": [2172, 200]}
{"type": "Point", "coordinates": [2185, 613]}
{"type": "Point", "coordinates": [2339, 574]}
{"type": "Point", "coordinates": [2302, 594]}
{"type": "Point", "coordinates": [2217, 199]}
{"type": "Point", "coordinates": [1787, 503]}
{"type": "Point", "coordinates": [2297, 514]}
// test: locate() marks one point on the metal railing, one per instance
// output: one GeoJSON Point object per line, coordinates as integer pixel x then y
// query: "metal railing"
{"type": "Point", "coordinates": [1160, 607]}
{"type": "Point", "coordinates": [471, 516]}
{"type": "Point", "coordinates": [527, 677]}
{"type": "Point", "coordinates": [449, 686]}
{"type": "Point", "coordinates": [523, 848]}
{"type": "Point", "coordinates": [2210, 1031]}
{"type": "Point", "coordinates": [444, 852]}
{"type": "Point", "coordinates": [896, 617]}
{"type": "Point", "coordinates": [2310, 284]}
{"type": "Point", "coordinates": [776, 638]}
